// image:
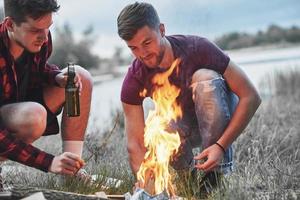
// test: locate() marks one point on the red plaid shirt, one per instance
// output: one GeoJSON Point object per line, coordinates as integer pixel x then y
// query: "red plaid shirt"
{"type": "Point", "coordinates": [42, 73]}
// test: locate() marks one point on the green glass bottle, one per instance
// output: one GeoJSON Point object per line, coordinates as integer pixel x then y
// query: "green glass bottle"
{"type": "Point", "coordinates": [72, 94]}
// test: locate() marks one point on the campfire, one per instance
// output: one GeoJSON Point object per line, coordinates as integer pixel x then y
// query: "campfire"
{"type": "Point", "coordinates": [153, 176]}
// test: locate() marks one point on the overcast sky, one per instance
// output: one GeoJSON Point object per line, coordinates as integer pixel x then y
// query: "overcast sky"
{"type": "Point", "coordinates": [208, 18]}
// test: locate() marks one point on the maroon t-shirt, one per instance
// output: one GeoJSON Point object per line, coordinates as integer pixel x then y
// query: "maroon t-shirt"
{"type": "Point", "coordinates": [195, 53]}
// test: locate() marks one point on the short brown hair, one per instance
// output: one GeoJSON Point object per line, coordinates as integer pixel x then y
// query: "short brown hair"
{"type": "Point", "coordinates": [19, 10]}
{"type": "Point", "coordinates": [135, 16]}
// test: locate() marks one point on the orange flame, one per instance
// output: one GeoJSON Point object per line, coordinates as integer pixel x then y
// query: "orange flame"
{"type": "Point", "coordinates": [161, 144]}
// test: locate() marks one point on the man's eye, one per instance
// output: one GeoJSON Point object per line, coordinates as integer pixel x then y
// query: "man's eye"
{"type": "Point", "coordinates": [34, 31]}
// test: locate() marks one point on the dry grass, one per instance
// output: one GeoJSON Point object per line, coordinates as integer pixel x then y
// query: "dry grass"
{"type": "Point", "coordinates": [267, 155]}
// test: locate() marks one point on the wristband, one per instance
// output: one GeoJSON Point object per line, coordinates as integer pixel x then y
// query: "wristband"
{"type": "Point", "coordinates": [221, 147]}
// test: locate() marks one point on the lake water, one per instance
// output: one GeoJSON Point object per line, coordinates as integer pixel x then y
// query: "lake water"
{"type": "Point", "coordinates": [257, 63]}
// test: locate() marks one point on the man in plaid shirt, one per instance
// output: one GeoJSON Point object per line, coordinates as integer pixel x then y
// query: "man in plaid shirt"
{"type": "Point", "coordinates": [32, 90]}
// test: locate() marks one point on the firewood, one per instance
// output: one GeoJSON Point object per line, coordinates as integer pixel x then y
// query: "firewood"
{"type": "Point", "coordinates": [21, 192]}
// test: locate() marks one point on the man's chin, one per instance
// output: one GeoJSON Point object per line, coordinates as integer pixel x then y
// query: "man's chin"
{"type": "Point", "coordinates": [149, 64]}
{"type": "Point", "coordinates": [34, 49]}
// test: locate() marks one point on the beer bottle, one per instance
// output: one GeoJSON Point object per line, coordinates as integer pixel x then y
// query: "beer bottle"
{"type": "Point", "coordinates": [72, 94]}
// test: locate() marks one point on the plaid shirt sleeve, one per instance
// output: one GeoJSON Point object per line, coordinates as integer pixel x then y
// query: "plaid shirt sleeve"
{"type": "Point", "coordinates": [11, 147]}
{"type": "Point", "coordinates": [16, 150]}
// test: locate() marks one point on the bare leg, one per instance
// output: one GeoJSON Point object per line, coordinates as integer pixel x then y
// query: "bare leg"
{"type": "Point", "coordinates": [26, 120]}
{"type": "Point", "coordinates": [72, 128]}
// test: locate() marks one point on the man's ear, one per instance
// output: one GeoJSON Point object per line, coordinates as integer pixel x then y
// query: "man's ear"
{"type": "Point", "coordinates": [9, 23]}
{"type": "Point", "coordinates": [162, 30]}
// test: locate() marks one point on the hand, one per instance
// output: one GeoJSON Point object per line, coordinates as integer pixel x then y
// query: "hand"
{"type": "Point", "coordinates": [138, 184]}
{"type": "Point", "coordinates": [66, 163]}
{"type": "Point", "coordinates": [62, 78]}
{"type": "Point", "coordinates": [214, 155]}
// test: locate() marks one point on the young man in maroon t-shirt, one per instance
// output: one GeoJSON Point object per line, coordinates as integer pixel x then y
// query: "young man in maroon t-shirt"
{"type": "Point", "coordinates": [217, 98]}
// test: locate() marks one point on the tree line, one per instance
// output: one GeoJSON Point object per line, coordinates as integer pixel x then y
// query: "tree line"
{"type": "Point", "coordinates": [67, 49]}
{"type": "Point", "coordinates": [274, 34]}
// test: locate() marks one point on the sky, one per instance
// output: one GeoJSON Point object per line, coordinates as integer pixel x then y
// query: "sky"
{"type": "Point", "coordinates": [208, 18]}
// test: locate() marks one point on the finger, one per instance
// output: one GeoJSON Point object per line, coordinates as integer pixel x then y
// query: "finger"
{"type": "Point", "coordinates": [77, 84]}
{"type": "Point", "coordinates": [74, 161]}
{"type": "Point", "coordinates": [80, 87]}
{"type": "Point", "coordinates": [70, 162]}
{"type": "Point", "coordinates": [81, 162]}
{"type": "Point", "coordinates": [72, 156]}
{"type": "Point", "coordinates": [67, 172]}
{"type": "Point", "coordinates": [212, 167]}
{"type": "Point", "coordinates": [65, 78]}
{"type": "Point", "coordinates": [70, 168]}
{"type": "Point", "coordinates": [136, 185]}
{"type": "Point", "coordinates": [205, 165]}
{"type": "Point", "coordinates": [139, 184]}
{"type": "Point", "coordinates": [75, 158]}
{"type": "Point", "coordinates": [202, 155]}
{"type": "Point", "coordinates": [77, 78]}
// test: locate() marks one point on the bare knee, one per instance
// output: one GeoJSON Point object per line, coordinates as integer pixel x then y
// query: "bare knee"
{"type": "Point", "coordinates": [27, 120]}
{"type": "Point", "coordinates": [38, 120]}
{"type": "Point", "coordinates": [204, 75]}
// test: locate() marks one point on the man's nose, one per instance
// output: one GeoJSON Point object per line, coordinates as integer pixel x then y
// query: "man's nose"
{"type": "Point", "coordinates": [43, 35]}
{"type": "Point", "coordinates": [143, 52]}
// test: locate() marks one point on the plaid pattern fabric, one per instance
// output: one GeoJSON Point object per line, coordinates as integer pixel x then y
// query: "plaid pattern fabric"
{"type": "Point", "coordinates": [41, 74]}
{"type": "Point", "coordinates": [1, 180]}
